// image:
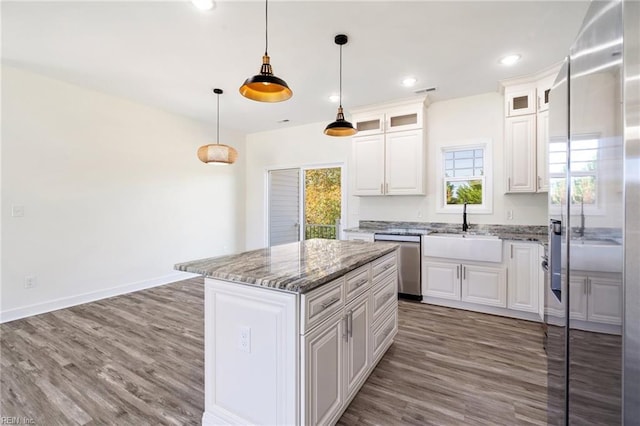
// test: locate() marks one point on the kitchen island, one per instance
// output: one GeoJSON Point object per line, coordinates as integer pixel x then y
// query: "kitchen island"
{"type": "Point", "coordinates": [293, 331]}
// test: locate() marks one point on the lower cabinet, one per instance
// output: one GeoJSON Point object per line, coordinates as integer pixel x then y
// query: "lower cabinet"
{"type": "Point", "coordinates": [484, 285]}
{"type": "Point", "coordinates": [596, 298]}
{"type": "Point", "coordinates": [323, 352]}
{"type": "Point", "coordinates": [523, 282]}
{"type": "Point", "coordinates": [275, 357]}
{"type": "Point", "coordinates": [466, 282]}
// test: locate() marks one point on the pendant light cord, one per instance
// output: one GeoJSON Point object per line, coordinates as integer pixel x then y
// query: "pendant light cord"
{"type": "Point", "coordinates": [266, 26]}
{"type": "Point", "coordinates": [340, 76]}
{"type": "Point", "coordinates": [218, 121]}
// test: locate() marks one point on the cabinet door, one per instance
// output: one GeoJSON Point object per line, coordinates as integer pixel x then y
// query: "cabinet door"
{"type": "Point", "coordinates": [369, 124]}
{"type": "Point", "coordinates": [521, 100]}
{"type": "Point", "coordinates": [578, 297]}
{"type": "Point", "coordinates": [522, 278]}
{"type": "Point", "coordinates": [520, 153]}
{"type": "Point", "coordinates": [368, 165]}
{"type": "Point", "coordinates": [357, 360]}
{"type": "Point", "coordinates": [440, 279]}
{"type": "Point", "coordinates": [604, 296]}
{"type": "Point", "coordinates": [484, 285]}
{"type": "Point", "coordinates": [407, 118]}
{"type": "Point", "coordinates": [404, 163]}
{"type": "Point", "coordinates": [323, 356]}
{"type": "Point", "coordinates": [543, 91]}
{"type": "Point", "coordinates": [542, 157]}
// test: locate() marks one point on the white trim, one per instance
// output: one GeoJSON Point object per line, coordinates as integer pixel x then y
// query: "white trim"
{"type": "Point", "coordinates": [485, 309]}
{"type": "Point", "coordinates": [487, 190]}
{"type": "Point", "coordinates": [67, 302]}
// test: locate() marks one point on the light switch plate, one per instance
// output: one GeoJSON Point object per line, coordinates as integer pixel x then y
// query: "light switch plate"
{"type": "Point", "coordinates": [17, 210]}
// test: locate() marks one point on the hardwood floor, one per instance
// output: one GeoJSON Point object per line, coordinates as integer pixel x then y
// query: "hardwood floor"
{"type": "Point", "coordinates": [137, 359]}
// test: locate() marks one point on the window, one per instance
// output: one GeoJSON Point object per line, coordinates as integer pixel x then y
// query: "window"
{"type": "Point", "coordinates": [584, 172]}
{"type": "Point", "coordinates": [464, 178]}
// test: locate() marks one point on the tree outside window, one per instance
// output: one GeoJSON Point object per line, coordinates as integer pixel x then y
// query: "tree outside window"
{"type": "Point", "coordinates": [464, 177]}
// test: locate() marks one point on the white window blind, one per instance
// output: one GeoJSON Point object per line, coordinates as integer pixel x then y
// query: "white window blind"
{"type": "Point", "coordinates": [284, 206]}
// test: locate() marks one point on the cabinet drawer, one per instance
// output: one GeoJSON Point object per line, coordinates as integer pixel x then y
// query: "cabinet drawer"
{"type": "Point", "coordinates": [384, 332]}
{"type": "Point", "coordinates": [385, 295]}
{"type": "Point", "coordinates": [382, 265]}
{"type": "Point", "coordinates": [321, 304]}
{"type": "Point", "coordinates": [356, 282]}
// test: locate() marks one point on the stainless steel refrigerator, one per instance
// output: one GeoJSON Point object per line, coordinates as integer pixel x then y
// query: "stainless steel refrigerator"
{"type": "Point", "coordinates": [592, 300]}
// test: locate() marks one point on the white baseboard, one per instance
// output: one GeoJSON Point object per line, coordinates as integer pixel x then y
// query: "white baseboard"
{"type": "Point", "coordinates": [493, 310]}
{"type": "Point", "coordinates": [66, 302]}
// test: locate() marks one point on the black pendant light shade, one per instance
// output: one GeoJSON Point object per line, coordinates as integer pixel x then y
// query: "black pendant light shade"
{"type": "Point", "coordinates": [266, 87]}
{"type": "Point", "coordinates": [217, 153]}
{"type": "Point", "coordinates": [340, 127]}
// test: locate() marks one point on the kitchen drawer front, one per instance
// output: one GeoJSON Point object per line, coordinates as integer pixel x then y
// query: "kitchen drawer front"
{"type": "Point", "coordinates": [382, 265]}
{"type": "Point", "coordinates": [385, 295]}
{"type": "Point", "coordinates": [357, 282]}
{"type": "Point", "coordinates": [383, 333]}
{"type": "Point", "coordinates": [321, 304]}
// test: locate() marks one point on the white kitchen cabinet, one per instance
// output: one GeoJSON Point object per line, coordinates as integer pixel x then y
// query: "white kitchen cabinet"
{"type": "Point", "coordinates": [542, 155]}
{"type": "Point", "coordinates": [404, 163]}
{"type": "Point", "coordinates": [520, 99]}
{"type": "Point", "coordinates": [526, 131]}
{"type": "Point", "coordinates": [522, 278]}
{"type": "Point", "coordinates": [544, 89]}
{"type": "Point", "coordinates": [484, 285]}
{"type": "Point", "coordinates": [441, 279]}
{"type": "Point", "coordinates": [359, 236]}
{"type": "Point", "coordinates": [356, 351]}
{"type": "Point", "coordinates": [368, 158]}
{"type": "Point", "coordinates": [596, 298]}
{"type": "Point", "coordinates": [323, 352]}
{"type": "Point", "coordinates": [470, 283]}
{"type": "Point", "coordinates": [520, 153]}
{"type": "Point", "coordinates": [388, 153]}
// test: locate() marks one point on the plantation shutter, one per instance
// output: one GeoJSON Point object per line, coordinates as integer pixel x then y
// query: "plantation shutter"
{"type": "Point", "coordinates": [284, 206]}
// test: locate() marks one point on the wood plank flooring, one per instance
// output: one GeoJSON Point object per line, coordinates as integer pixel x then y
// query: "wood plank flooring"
{"type": "Point", "coordinates": [137, 359]}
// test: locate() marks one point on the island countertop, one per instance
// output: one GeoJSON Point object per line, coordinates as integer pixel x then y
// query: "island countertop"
{"type": "Point", "coordinates": [295, 267]}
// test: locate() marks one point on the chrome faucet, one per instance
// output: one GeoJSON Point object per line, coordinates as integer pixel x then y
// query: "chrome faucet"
{"type": "Point", "coordinates": [465, 225]}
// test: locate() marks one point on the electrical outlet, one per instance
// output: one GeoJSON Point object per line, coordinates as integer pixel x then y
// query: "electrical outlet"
{"type": "Point", "coordinates": [510, 214]}
{"type": "Point", "coordinates": [244, 342]}
{"type": "Point", "coordinates": [30, 281]}
{"type": "Point", "coordinates": [17, 211]}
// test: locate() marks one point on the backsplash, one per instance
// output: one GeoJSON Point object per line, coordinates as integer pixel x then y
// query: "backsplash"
{"type": "Point", "coordinates": [455, 227]}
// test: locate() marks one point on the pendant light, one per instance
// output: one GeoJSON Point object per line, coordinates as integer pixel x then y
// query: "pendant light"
{"type": "Point", "coordinates": [217, 153]}
{"type": "Point", "coordinates": [266, 87]}
{"type": "Point", "coordinates": [340, 127]}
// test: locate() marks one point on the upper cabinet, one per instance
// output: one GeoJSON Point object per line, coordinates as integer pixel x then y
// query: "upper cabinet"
{"type": "Point", "coordinates": [388, 152]}
{"type": "Point", "coordinates": [526, 132]}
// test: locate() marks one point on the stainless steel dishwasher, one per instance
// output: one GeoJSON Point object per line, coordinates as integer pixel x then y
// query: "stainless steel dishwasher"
{"type": "Point", "coordinates": [409, 283]}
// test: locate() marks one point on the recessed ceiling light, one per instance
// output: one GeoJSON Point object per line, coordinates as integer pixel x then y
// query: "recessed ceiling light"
{"type": "Point", "coordinates": [409, 81]}
{"type": "Point", "coordinates": [334, 98]}
{"type": "Point", "coordinates": [510, 59]}
{"type": "Point", "coordinates": [203, 4]}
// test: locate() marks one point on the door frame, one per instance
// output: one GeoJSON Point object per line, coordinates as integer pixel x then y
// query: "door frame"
{"type": "Point", "coordinates": [303, 168]}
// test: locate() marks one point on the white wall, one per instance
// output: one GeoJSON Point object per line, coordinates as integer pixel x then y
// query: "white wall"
{"type": "Point", "coordinates": [291, 147]}
{"type": "Point", "coordinates": [448, 122]}
{"type": "Point", "coordinates": [113, 194]}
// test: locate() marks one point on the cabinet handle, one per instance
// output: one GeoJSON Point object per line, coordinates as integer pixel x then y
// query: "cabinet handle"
{"type": "Point", "coordinates": [386, 188]}
{"type": "Point", "coordinates": [586, 284]}
{"type": "Point", "coordinates": [464, 272]}
{"type": "Point", "coordinates": [328, 303]}
{"type": "Point", "coordinates": [539, 182]}
{"type": "Point", "coordinates": [345, 334]}
{"type": "Point", "coordinates": [382, 188]}
{"type": "Point", "coordinates": [589, 285]}
{"type": "Point", "coordinates": [387, 266]}
{"type": "Point", "coordinates": [511, 255]}
{"type": "Point", "coordinates": [458, 271]}
{"type": "Point", "coordinates": [508, 184]}
{"type": "Point", "coordinates": [350, 323]}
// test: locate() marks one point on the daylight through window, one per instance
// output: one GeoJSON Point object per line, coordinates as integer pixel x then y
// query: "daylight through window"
{"type": "Point", "coordinates": [464, 177]}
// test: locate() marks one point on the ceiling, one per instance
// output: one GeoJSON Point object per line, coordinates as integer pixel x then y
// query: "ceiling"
{"type": "Point", "coordinates": [170, 54]}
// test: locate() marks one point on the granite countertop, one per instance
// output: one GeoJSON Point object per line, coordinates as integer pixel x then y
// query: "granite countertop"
{"type": "Point", "coordinates": [296, 267]}
{"type": "Point", "coordinates": [504, 232]}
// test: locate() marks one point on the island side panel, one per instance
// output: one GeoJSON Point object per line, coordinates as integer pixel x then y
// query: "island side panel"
{"type": "Point", "coordinates": [251, 355]}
